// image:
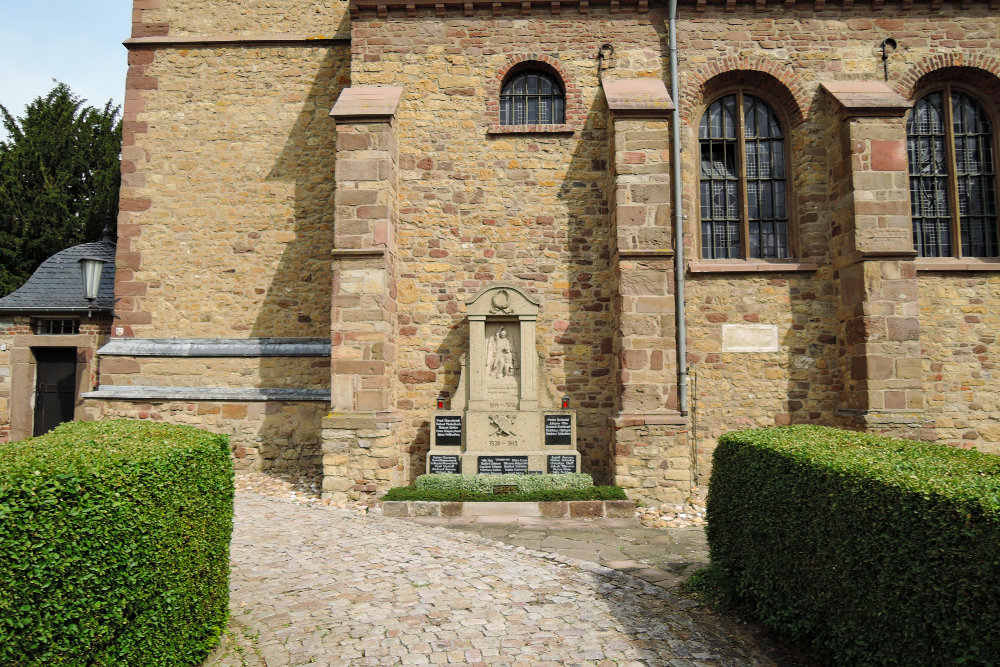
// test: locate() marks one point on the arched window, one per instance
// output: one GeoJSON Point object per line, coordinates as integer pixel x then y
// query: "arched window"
{"type": "Point", "coordinates": [532, 97]}
{"type": "Point", "coordinates": [744, 199]}
{"type": "Point", "coordinates": [949, 146]}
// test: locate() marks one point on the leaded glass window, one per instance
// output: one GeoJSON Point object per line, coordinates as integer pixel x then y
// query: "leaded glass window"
{"type": "Point", "coordinates": [949, 145]}
{"type": "Point", "coordinates": [744, 200]}
{"type": "Point", "coordinates": [531, 97]}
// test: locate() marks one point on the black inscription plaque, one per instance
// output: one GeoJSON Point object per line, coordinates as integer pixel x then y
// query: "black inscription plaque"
{"type": "Point", "coordinates": [502, 465]}
{"type": "Point", "coordinates": [445, 463]}
{"type": "Point", "coordinates": [448, 430]}
{"type": "Point", "coordinates": [561, 463]}
{"type": "Point", "coordinates": [558, 430]}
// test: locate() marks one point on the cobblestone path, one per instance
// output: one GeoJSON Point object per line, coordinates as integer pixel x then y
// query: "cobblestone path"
{"type": "Point", "coordinates": [315, 585]}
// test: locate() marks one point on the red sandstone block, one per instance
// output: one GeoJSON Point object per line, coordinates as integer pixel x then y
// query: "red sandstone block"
{"type": "Point", "coordinates": [134, 204]}
{"type": "Point", "coordinates": [150, 29]}
{"type": "Point", "coordinates": [889, 155]}
{"type": "Point", "coordinates": [352, 367]}
{"type": "Point", "coordinates": [357, 170]}
{"type": "Point", "coordinates": [895, 400]}
{"type": "Point", "coordinates": [417, 377]}
{"type": "Point", "coordinates": [348, 141]}
{"type": "Point", "coordinates": [129, 288]}
{"type": "Point", "coordinates": [140, 82]}
{"type": "Point", "coordinates": [355, 197]}
{"type": "Point", "coordinates": [133, 318]}
{"type": "Point", "coordinates": [630, 216]}
{"type": "Point", "coordinates": [377, 212]}
{"type": "Point", "coordinates": [584, 509]}
{"type": "Point", "coordinates": [903, 328]}
{"type": "Point", "coordinates": [234, 411]}
{"type": "Point", "coordinates": [635, 359]}
{"type": "Point", "coordinates": [119, 366]}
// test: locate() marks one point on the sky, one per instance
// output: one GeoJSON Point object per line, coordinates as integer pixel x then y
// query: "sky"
{"type": "Point", "coordinates": [77, 42]}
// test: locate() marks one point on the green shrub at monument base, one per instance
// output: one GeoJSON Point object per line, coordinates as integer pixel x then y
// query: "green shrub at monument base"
{"type": "Point", "coordinates": [539, 496]}
{"type": "Point", "coordinates": [486, 483]}
{"type": "Point", "coordinates": [863, 549]}
{"type": "Point", "coordinates": [114, 545]}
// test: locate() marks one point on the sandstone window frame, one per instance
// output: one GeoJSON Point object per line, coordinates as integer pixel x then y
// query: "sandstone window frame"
{"type": "Point", "coordinates": [523, 86]}
{"type": "Point", "coordinates": [955, 201]}
{"type": "Point", "coordinates": [745, 262]}
{"type": "Point", "coordinates": [518, 64]}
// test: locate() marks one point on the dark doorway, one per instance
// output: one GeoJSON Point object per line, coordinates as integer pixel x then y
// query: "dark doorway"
{"type": "Point", "coordinates": [55, 387]}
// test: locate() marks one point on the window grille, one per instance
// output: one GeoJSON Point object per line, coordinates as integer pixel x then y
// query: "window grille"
{"type": "Point", "coordinates": [743, 190]}
{"type": "Point", "coordinates": [532, 98]}
{"type": "Point", "coordinates": [50, 327]}
{"type": "Point", "coordinates": [949, 146]}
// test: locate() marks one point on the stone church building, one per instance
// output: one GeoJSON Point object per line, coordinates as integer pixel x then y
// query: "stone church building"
{"type": "Point", "coordinates": [729, 213]}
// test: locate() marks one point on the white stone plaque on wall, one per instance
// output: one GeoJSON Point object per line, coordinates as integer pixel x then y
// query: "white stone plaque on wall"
{"type": "Point", "coordinates": [749, 338]}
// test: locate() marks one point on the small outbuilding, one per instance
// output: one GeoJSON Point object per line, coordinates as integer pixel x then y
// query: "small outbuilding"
{"type": "Point", "coordinates": [50, 329]}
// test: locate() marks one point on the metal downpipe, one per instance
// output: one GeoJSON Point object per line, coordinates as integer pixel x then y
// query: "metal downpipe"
{"type": "Point", "coordinates": [675, 175]}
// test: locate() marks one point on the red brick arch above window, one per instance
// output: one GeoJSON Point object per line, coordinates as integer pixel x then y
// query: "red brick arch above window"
{"type": "Point", "coordinates": [775, 81]}
{"type": "Point", "coordinates": [976, 70]}
{"type": "Point", "coordinates": [575, 117]}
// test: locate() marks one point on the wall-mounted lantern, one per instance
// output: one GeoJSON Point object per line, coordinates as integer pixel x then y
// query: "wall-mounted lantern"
{"type": "Point", "coordinates": [90, 271]}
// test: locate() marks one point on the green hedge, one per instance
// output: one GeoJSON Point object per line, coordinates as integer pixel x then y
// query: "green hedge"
{"type": "Point", "coordinates": [865, 550]}
{"type": "Point", "coordinates": [466, 496]}
{"type": "Point", "coordinates": [524, 483]}
{"type": "Point", "coordinates": [114, 545]}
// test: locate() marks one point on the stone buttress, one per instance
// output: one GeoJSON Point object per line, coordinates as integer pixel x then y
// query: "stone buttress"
{"type": "Point", "coordinates": [649, 436]}
{"type": "Point", "coordinates": [359, 445]}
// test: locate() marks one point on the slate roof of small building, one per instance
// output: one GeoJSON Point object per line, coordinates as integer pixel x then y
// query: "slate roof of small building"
{"type": "Point", "coordinates": [57, 286]}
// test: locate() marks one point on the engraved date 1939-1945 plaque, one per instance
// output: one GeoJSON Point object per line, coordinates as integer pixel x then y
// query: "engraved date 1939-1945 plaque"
{"type": "Point", "coordinates": [448, 430]}
{"type": "Point", "coordinates": [445, 463]}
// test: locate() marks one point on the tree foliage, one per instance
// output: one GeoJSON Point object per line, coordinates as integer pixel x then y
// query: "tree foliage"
{"type": "Point", "coordinates": [59, 180]}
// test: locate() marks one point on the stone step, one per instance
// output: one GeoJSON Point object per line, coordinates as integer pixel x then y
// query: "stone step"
{"type": "Point", "coordinates": [565, 509]}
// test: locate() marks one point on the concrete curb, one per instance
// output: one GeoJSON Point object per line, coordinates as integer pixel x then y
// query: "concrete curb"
{"type": "Point", "coordinates": [566, 509]}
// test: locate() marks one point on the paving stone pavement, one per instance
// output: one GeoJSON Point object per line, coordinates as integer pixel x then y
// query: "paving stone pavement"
{"type": "Point", "coordinates": [317, 585]}
{"type": "Point", "coordinates": [663, 557]}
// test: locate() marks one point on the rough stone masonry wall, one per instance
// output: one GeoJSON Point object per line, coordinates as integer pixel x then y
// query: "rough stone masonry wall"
{"type": "Point", "coordinates": [529, 209]}
{"type": "Point", "coordinates": [227, 212]}
{"type": "Point", "coordinates": [312, 18]}
{"type": "Point", "coordinates": [278, 436]}
{"type": "Point", "coordinates": [231, 162]}
{"type": "Point", "coordinates": [785, 53]}
{"type": "Point", "coordinates": [960, 347]}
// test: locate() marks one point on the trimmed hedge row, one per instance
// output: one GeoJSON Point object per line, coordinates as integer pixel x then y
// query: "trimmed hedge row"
{"type": "Point", "coordinates": [466, 496]}
{"type": "Point", "coordinates": [863, 549]}
{"type": "Point", "coordinates": [524, 483]}
{"type": "Point", "coordinates": [114, 545]}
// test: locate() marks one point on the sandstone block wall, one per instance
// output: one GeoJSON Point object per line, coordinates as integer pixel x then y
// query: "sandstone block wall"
{"type": "Point", "coordinates": [960, 349]}
{"type": "Point", "coordinates": [228, 214]}
{"type": "Point", "coordinates": [271, 436]}
{"type": "Point", "coordinates": [227, 196]}
{"type": "Point", "coordinates": [477, 207]}
{"type": "Point", "coordinates": [312, 18]}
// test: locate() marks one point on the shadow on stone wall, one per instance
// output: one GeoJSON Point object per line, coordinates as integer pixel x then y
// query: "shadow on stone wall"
{"type": "Point", "coordinates": [297, 301]}
{"type": "Point", "coordinates": [588, 324]}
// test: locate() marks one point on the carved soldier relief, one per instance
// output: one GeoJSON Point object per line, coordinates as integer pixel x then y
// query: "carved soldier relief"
{"type": "Point", "coordinates": [501, 360]}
